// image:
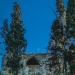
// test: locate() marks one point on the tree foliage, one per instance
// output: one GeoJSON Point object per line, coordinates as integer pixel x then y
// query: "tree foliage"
{"type": "Point", "coordinates": [14, 39]}
{"type": "Point", "coordinates": [70, 28]}
{"type": "Point", "coordinates": [55, 44]}
{"type": "Point", "coordinates": [58, 38]}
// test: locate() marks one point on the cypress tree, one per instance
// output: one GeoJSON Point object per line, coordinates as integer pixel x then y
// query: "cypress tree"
{"type": "Point", "coordinates": [14, 39]}
{"type": "Point", "coordinates": [58, 36]}
{"type": "Point", "coordinates": [70, 28]}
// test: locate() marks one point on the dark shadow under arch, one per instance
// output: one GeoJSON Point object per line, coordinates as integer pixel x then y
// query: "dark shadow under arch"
{"type": "Point", "coordinates": [32, 61]}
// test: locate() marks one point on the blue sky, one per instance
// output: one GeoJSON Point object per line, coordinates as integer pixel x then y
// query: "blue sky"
{"type": "Point", "coordinates": [37, 18]}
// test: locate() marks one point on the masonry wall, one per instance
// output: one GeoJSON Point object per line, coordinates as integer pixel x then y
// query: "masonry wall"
{"type": "Point", "coordinates": [41, 67]}
{"type": "Point", "coordinates": [33, 64]}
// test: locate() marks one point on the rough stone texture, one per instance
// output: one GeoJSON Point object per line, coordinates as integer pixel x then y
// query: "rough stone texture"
{"type": "Point", "coordinates": [33, 64]}
{"type": "Point", "coordinates": [30, 69]}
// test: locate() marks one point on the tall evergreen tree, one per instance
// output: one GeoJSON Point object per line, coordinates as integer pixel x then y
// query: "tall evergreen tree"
{"type": "Point", "coordinates": [14, 39]}
{"type": "Point", "coordinates": [70, 28]}
{"type": "Point", "coordinates": [55, 46]}
{"type": "Point", "coordinates": [58, 37]}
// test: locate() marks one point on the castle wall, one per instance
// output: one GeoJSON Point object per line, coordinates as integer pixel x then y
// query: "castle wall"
{"type": "Point", "coordinates": [34, 64]}
{"type": "Point", "coordinates": [34, 69]}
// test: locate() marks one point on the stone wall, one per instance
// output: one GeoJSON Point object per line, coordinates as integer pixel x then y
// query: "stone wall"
{"type": "Point", "coordinates": [34, 64]}
{"type": "Point", "coordinates": [38, 65]}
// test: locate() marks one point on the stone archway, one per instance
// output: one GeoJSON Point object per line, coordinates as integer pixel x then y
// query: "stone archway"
{"type": "Point", "coordinates": [32, 61]}
{"type": "Point", "coordinates": [33, 65]}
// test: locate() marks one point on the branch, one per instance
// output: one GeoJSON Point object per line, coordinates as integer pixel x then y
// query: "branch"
{"type": "Point", "coordinates": [53, 11]}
